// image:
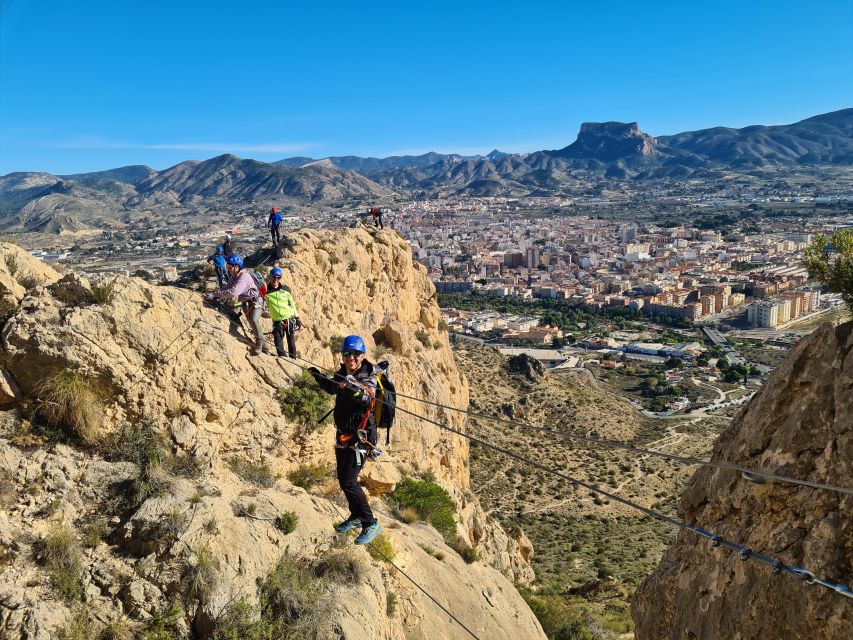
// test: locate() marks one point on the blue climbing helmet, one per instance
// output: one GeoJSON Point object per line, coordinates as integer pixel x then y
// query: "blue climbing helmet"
{"type": "Point", "coordinates": [353, 343]}
{"type": "Point", "coordinates": [235, 260]}
{"type": "Point", "coordinates": [220, 250]}
{"type": "Point", "coordinates": [275, 271]}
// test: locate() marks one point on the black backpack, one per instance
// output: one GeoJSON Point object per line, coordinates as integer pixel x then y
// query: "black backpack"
{"type": "Point", "coordinates": [385, 408]}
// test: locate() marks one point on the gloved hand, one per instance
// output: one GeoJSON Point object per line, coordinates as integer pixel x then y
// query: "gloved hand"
{"type": "Point", "coordinates": [314, 371]}
{"type": "Point", "coordinates": [297, 323]}
{"type": "Point", "coordinates": [208, 297]}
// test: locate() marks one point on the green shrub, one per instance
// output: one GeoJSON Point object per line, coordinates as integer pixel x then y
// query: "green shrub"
{"type": "Point", "coordinates": [72, 402]}
{"type": "Point", "coordinates": [286, 522]}
{"type": "Point", "coordinates": [559, 621]}
{"type": "Point", "coordinates": [61, 557]}
{"type": "Point", "coordinates": [12, 263]}
{"type": "Point", "coordinates": [28, 280]}
{"type": "Point", "coordinates": [116, 629]}
{"type": "Point", "coordinates": [144, 447]}
{"type": "Point", "coordinates": [95, 531]}
{"type": "Point", "coordinates": [306, 476]}
{"type": "Point", "coordinates": [79, 626]}
{"type": "Point", "coordinates": [381, 548]}
{"type": "Point", "coordinates": [340, 567]}
{"type": "Point", "coordinates": [295, 602]}
{"type": "Point", "coordinates": [201, 576]}
{"type": "Point", "coordinates": [833, 268]}
{"type": "Point", "coordinates": [353, 266]}
{"type": "Point", "coordinates": [380, 351]}
{"type": "Point", "coordinates": [423, 336]}
{"type": "Point", "coordinates": [430, 501]}
{"type": "Point", "coordinates": [7, 310]}
{"type": "Point", "coordinates": [257, 473]}
{"type": "Point", "coordinates": [390, 603]}
{"type": "Point", "coordinates": [104, 292]}
{"type": "Point", "coordinates": [468, 553]}
{"type": "Point", "coordinates": [164, 625]}
{"type": "Point", "coordinates": [242, 621]}
{"type": "Point", "coordinates": [304, 402]}
{"type": "Point", "coordinates": [335, 343]}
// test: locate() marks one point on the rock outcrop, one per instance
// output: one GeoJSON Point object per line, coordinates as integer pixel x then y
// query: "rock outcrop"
{"type": "Point", "coordinates": [800, 424]}
{"type": "Point", "coordinates": [161, 358]}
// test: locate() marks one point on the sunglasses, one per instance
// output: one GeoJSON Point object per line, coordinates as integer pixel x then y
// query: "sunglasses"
{"type": "Point", "coordinates": [351, 354]}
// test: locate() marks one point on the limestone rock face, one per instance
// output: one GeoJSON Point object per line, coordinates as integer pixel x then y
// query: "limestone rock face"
{"type": "Point", "coordinates": [160, 356]}
{"type": "Point", "coordinates": [800, 424]}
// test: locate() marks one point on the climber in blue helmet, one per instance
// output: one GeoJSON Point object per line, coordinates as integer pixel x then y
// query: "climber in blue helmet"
{"type": "Point", "coordinates": [218, 260]}
{"type": "Point", "coordinates": [354, 387]}
{"type": "Point", "coordinates": [242, 287]}
{"type": "Point", "coordinates": [285, 317]}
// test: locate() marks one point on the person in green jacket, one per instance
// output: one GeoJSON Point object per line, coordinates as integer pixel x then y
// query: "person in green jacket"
{"type": "Point", "coordinates": [285, 318]}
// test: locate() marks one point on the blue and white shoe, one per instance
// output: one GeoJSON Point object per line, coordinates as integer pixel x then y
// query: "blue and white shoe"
{"type": "Point", "coordinates": [369, 533]}
{"type": "Point", "coordinates": [348, 525]}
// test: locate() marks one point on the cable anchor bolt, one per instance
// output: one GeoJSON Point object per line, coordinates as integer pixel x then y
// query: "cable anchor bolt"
{"type": "Point", "coordinates": [751, 477]}
{"type": "Point", "coordinates": [745, 553]}
{"type": "Point", "coordinates": [804, 574]}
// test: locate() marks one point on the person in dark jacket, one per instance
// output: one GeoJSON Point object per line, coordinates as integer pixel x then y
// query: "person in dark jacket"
{"type": "Point", "coordinates": [354, 387]}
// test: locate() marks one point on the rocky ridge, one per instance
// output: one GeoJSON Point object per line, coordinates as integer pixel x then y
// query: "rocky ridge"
{"type": "Point", "coordinates": [163, 359]}
{"type": "Point", "coordinates": [801, 424]}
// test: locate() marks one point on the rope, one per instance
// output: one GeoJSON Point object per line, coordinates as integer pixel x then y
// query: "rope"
{"type": "Point", "coordinates": [688, 460]}
{"type": "Point", "coordinates": [743, 551]}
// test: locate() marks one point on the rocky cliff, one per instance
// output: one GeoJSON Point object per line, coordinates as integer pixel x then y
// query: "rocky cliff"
{"type": "Point", "coordinates": [201, 531]}
{"type": "Point", "coordinates": [801, 424]}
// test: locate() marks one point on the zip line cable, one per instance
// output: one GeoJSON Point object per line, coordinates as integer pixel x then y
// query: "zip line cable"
{"type": "Point", "coordinates": [743, 551]}
{"type": "Point", "coordinates": [689, 460]}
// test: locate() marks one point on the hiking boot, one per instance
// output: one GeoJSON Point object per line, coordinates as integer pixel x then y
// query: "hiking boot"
{"type": "Point", "coordinates": [369, 533]}
{"type": "Point", "coordinates": [348, 525]}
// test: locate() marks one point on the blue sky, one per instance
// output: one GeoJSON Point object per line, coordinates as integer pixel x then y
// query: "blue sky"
{"type": "Point", "coordinates": [93, 85]}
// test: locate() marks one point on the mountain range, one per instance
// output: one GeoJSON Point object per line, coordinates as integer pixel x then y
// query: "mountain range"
{"type": "Point", "coordinates": [607, 150]}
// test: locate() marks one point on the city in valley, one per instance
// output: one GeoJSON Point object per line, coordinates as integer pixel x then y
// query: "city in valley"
{"type": "Point", "coordinates": [694, 285]}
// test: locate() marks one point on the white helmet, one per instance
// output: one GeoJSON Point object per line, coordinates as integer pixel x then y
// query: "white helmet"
{"type": "Point", "coordinates": [227, 236]}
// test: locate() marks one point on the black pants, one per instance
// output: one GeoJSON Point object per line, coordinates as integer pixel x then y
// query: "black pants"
{"type": "Point", "coordinates": [348, 471]}
{"type": "Point", "coordinates": [274, 234]}
{"type": "Point", "coordinates": [280, 329]}
{"type": "Point", "coordinates": [377, 222]}
{"type": "Point", "coordinates": [222, 277]}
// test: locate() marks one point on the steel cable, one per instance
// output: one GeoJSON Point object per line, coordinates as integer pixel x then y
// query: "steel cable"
{"type": "Point", "coordinates": [743, 551]}
{"type": "Point", "coordinates": [689, 460]}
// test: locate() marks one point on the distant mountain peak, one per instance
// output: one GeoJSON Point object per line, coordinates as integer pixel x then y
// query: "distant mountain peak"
{"type": "Point", "coordinates": [609, 142]}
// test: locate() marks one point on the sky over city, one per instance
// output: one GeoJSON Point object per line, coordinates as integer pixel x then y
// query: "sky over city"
{"type": "Point", "coordinates": [96, 85]}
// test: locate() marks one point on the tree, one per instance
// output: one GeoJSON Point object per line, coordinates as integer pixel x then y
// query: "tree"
{"type": "Point", "coordinates": [831, 262]}
{"type": "Point", "coordinates": [722, 363]}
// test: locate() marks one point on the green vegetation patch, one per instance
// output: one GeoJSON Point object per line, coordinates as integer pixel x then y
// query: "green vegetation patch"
{"type": "Point", "coordinates": [62, 558]}
{"type": "Point", "coordinates": [256, 473]}
{"type": "Point", "coordinates": [304, 402]}
{"type": "Point", "coordinates": [432, 503]}
{"type": "Point", "coordinates": [306, 476]}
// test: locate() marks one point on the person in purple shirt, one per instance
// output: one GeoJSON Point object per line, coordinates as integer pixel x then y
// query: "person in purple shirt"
{"type": "Point", "coordinates": [243, 287]}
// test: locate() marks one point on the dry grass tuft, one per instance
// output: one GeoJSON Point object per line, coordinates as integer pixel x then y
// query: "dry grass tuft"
{"type": "Point", "coordinates": [71, 401]}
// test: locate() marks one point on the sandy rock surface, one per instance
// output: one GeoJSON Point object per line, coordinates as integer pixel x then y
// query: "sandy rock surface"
{"type": "Point", "coordinates": [161, 357]}
{"type": "Point", "coordinates": [800, 424]}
